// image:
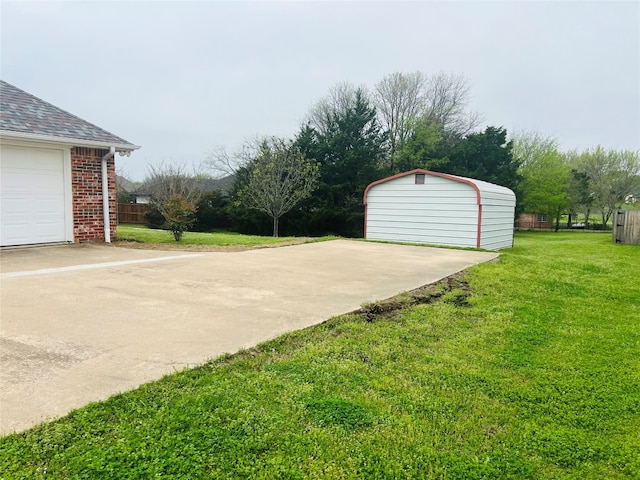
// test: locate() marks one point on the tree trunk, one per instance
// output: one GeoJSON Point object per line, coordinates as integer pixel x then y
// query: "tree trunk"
{"type": "Point", "coordinates": [276, 220]}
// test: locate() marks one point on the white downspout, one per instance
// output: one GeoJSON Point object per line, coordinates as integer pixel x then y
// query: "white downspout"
{"type": "Point", "coordinates": [105, 195]}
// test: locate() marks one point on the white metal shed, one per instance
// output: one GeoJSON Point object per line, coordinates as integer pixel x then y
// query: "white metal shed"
{"type": "Point", "coordinates": [421, 206]}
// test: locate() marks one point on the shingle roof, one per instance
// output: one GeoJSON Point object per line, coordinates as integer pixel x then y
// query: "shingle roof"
{"type": "Point", "coordinates": [123, 184]}
{"type": "Point", "coordinates": [23, 113]}
{"type": "Point", "coordinates": [222, 185]}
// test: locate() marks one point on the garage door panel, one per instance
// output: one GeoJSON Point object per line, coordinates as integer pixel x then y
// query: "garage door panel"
{"type": "Point", "coordinates": [49, 181]}
{"type": "Point", "coordinates": [16, 233]}
{"type": "Point", "coordinates": [50, 205]}
{"type": "Point", "coordinates": [15, 206]}
{"type": "Point", "coordinates": [49, 232]}
{"type": "Point", "coordinates": [32, 208]}
{"type": "Point", "coordinates": [14, 157]}
{"type": "Point", "coordinates": [41, 159]}
{"type": "Point", "coordinates": [13, 179]}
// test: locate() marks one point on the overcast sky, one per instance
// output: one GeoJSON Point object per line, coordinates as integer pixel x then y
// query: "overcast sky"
{"type": "Point", "coordinates": [180, 78]}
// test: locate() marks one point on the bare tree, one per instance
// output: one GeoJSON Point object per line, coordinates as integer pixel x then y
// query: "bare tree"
{"type": "Point", "coordinates": [168, 180]}
{"type": "Point", "coordinates": [223, 164]}
{"type": "Point", "coordinates": [406, 101]}
{"type": "Point", "coordinates": [447, 99]}
{"type": "Point", "coordinates": [340, 98]}
{"type": "Point", "coordinates": [400, 98]}
{"type": "Point", "coordinates": [220, 162]}
{"type": "Point", "coordinates": [278, 179]}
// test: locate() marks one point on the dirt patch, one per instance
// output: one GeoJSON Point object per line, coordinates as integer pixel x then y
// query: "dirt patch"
{"type": "Point", "coordinates": [454, 289]}
{"type": "Point", "coordinates": [204, 248]}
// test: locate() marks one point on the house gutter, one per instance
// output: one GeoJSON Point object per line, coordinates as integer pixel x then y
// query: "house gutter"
{"type": "Point", "coordinates": [105, 194]}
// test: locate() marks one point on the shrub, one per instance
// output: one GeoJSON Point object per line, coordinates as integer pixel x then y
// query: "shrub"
{"type": "Point", "coordinates": [179, 215]}
{"type": "Point", "coordinates": [211, 212]}
{"type": "Point", "coordinates": [153, 217]}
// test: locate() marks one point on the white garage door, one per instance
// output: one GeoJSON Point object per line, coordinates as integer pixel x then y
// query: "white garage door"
{"type": "Point", "coordinates": [32, 195]}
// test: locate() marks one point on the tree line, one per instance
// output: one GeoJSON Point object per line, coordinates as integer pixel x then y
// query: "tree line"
{"type": "Point", "coordinates": [557, 183]}
{"type": "Point", "coordinates": [312, 184]}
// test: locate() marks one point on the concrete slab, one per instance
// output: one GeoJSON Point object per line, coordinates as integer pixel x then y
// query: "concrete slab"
{"type": "Point", "coordinates": [120, 317]}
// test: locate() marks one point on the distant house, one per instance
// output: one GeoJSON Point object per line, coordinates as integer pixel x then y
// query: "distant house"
{"type": "Point", "coordinates": [130, 192]}
{"type": "Point", "coordinates": [139, 196]}
{"type": "Point", "coordinates": [124, 185]}
{"type": "Point", "coordinates": [222, 185]}
{"type": "Point", "coordinates": [534, 221]}
{"type": "Point", "coordinates": [421, 206]}
{"type": "Point", "coordinates": [58, 173]}
{"type": "Point", "coordinates": [143, 193]}
{"type": "Point", "coordinates": [125, 189]}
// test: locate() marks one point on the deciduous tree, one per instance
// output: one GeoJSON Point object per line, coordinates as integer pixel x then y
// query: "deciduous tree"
{"type": "Point", "coordinates": [277, 179]}
{"type": "Point", "coordinates": [423, 149]}
{"type": "Point", "coordinates": [340, 98]}
{"type": "Point", "coordinates": [400, 99]}
{"type": "Point", "coordinates": [172, 189]}
{"type": "Point", "coordinates": [410, 101]}
{"type": "Point", "coordinates": [179, 216]}
{"type": "Point", "coordinates": [546, 176]}
{"type": "Point", "coordinates": [612, 176]}
{"type": "Point", "coordinates": [447, 100]}
{"type": "Point", "coordinates": [166, 180]}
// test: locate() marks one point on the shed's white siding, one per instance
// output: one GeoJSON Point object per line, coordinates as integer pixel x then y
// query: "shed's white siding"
{"type": "Point", "coordinates": [400, 210]}
{"type": "Point", "coordinates": [498, 210]}
{"type": "Point", "coordinates": [445, 210]}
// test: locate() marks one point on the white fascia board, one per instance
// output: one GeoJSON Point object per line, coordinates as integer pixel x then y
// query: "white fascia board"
{"type": "Point", "coordinates": [67, 142]}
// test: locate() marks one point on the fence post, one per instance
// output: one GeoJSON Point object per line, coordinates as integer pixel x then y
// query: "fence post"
{"type": "Point", "coordinates": [626, 227]}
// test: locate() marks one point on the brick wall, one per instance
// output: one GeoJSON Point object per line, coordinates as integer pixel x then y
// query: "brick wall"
{"type": "Point", "coordinates": [533, 221]}
{"type": "Point", "coordinates": [86, 183]}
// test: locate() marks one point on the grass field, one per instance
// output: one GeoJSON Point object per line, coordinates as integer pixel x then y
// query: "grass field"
{"type": "Point", "coordinates": [140, 233]}
{"type": "Point", "coordinates": [536, 374]}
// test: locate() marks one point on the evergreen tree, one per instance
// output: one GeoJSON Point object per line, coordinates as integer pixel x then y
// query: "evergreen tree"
{"type": "Point", "coordinates": [349, 151]}
{"type": "Point", "coordinates": [485, 156]}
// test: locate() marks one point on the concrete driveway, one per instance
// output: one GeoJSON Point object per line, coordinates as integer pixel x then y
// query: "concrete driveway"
{"type": "Point", "coordinates": [81, 323]}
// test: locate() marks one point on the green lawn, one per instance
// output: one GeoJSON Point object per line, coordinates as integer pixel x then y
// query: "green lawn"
{"type": "Point", "coordinates": [140, 233]}
{"type": "Point", "coordinates": [535, 375]}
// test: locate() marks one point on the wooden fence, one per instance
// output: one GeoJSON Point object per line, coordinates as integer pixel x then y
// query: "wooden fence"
{"type": "Point", "coordinates": [626, 226]}
{"type": "Point", "coordinates": [132, 212]}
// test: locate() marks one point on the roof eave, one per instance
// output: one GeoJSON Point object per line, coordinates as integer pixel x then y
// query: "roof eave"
{"type": "Point", "coordinates": [70, 142]}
